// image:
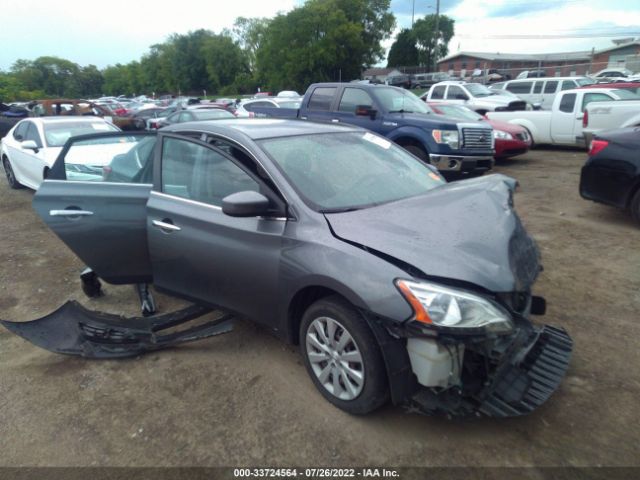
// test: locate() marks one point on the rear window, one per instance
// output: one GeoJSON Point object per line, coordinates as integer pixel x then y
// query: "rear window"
{"type": "Point", "coordinates": [625, 94]}
{"type": "Point", "coordinates": [56, 134]}
{"type": "Point", "coordinates": [212, 114]}
{"type": "Point", "coordinates": [438, 92]}
{"type": "Point", "coordinates": [567, 103]}
{"type": "Point", "coordinates": [321, 98]}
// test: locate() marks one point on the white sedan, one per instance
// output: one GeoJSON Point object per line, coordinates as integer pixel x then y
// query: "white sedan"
{"type": "Point", "coordinates": [31, 147]}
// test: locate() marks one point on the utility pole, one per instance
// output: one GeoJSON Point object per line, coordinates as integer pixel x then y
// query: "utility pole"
{"type": "Point", "coordinates": [413, 11]}
{"type": "Point", "coordinates": [437, 34]}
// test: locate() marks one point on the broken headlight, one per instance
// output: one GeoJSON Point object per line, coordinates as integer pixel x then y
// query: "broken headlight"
{"type": "Point", "coordinates": [450, 308]}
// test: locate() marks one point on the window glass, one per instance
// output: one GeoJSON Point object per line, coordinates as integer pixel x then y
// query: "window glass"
{"type": "Point", "coordinates": [594, 97]}
{"type": "Point", "coordinates": [33, 134]}
{"type": "Point", "coordinates": [321, 98]}
{"type": "Point", "coordinates": [568, 85]}
{"type": "Point", "coordinates": [626, 94]}
{"type": "Point", "coordinates": [350, 170]}
{"type": "Point", "coordinates": [353, 97]}
{"type": "Point", "coordinates": [116, 158]}
{"type": "Point", "coordinates": [568, 102]}
{"type": "Point", "coordinates": [551, 86]}
{"type": "Point", "coordinates": [537, 87]}
{"type": "Point", "coordinates": [21, 131]}
{"type": "Point", "coordinates": [57, 133]}
{"type": "Point", "coordinates": [438, 92]}
{"type": "Point", "coordinates": [199, 173]}
{"type": "Point", "coordinates": [211, 114]}
{"type": "Point", "coordinates": [456, 93]}
{"type": "Point", "coordinates": [520, 87]}
{"type": "Point", "coordinates": [184, 117]}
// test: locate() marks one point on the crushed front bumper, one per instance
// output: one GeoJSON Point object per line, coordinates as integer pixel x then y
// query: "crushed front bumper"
{"type": "Point", "coordinates": [524, 378]}
{"type": "Point", "coordinates": [523, 384]}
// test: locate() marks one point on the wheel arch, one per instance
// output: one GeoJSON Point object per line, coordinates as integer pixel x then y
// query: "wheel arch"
{"type": "Point", "coordinates": [305, 297]}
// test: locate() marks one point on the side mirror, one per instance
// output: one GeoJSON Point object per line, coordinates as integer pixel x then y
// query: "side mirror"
{"type": "Point", "coordinates": [30, 145]}
{"type": "Point", "coordinates": [365, 111]}
{"type": "Point", "coordinates": [245, 204]}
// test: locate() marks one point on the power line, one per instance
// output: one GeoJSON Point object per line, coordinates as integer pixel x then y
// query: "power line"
{"type": "Point", "coordinates": [551, 36]}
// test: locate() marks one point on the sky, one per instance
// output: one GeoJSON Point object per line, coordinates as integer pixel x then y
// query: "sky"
{"type": "Point", "coordinates": [119, 31]}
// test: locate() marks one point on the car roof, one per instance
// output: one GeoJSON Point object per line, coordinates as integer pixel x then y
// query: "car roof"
{"type": "Point", "coordinates": [258, 128]}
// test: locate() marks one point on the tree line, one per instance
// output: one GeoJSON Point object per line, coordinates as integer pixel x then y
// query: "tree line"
{"type": "Point", "coordinates": [321, 40]}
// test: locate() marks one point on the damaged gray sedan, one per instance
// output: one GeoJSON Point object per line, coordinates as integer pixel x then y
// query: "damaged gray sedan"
{"type": "Point", "coordinates": [395, 284]}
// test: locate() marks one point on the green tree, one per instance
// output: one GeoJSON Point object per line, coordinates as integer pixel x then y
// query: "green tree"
{"type": "Point", "coordinates": [433, 45]}
{"type": "Point", "coordinates": [403, 51]}
{"type": "Point", "coordinates": [249, 33]}
{"type": "Point", "coordinates": [323, 40]}
{"type": "Point", "coordinates": [225, 61]}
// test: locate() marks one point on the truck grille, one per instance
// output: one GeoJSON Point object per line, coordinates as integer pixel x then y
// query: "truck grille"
{"type": "Point", "coordinates": [477, 139]}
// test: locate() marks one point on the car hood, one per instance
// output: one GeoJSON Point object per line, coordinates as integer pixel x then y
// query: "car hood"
{"type": "Point", "coordinates": [422, 119]}
{"type": "Point", "coordinates": [505, 127]}
{"type": "Point", "coordinates": [466, 231]}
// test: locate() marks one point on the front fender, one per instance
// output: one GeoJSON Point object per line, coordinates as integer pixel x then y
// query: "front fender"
{"type": "Point", "coordinates": [422, 135]}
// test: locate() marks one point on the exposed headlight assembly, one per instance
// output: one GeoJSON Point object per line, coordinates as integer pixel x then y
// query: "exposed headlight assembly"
{"type": "Point", "coordinates": [501, 135]}
{"type": "Point", "coordinates": [448, 137]}
{"type": "Point", "coordinates": [439, 306]}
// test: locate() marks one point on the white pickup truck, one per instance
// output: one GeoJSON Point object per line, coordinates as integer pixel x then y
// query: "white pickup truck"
{"type": "Point", "coordinates": [609, 115]}
{"type": "Point", "coordinates": [563, 124]}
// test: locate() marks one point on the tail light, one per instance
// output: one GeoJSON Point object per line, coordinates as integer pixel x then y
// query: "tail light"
{"type": "Point", "coordinates": [585, 119]}
{"type": "Point", "coordinates": [597, 146]}
{"type": "Point", "coordinates": [252, 114]}
{"type": "Point", "coordinates": [106, 170]}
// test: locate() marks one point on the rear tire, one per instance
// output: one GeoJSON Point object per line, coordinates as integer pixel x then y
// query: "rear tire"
{"type": "Point", "coordinates": [634, 207]}
{"type": "Point", "coordinates": [343, 357]}
{"type": "Point", "coordinates": [11, 176]}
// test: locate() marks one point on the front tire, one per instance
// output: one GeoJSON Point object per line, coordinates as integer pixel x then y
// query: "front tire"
{"type": "Point", "coordinates": [417, 151]}
{"type": "Point", "coordinates": [11, 176]}
{"type": "Point", "coordinates": [343, 357]}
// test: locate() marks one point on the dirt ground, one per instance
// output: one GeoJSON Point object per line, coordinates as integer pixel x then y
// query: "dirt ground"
{"type": "Point", "coordinates": [245, 398]}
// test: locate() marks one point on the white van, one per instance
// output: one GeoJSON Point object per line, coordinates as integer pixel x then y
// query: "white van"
{"type": "Point", "coordinates": [541, 91]}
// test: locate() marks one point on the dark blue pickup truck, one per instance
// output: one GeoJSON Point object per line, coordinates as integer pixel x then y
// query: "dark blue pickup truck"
{"type": "Point", "coordinates": [451, 146]}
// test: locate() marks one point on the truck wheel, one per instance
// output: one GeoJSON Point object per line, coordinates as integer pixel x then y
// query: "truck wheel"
{"type": "Point", "coordinates": [533, 144]}
{"type": "Point", "coordinates": [634, 206]}
{"type": "Point", "coordinates": [342, 356]}
{"type": "Point", "coordinates": [418, 152]}
{"type": "Point", "coordinates": [11, 177]}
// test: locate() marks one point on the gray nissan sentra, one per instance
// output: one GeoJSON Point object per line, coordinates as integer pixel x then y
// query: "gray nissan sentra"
{"type": "Point", "coordinates": [395, 284]}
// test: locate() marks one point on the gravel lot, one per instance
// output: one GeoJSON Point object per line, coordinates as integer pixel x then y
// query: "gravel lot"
{"type": "Point", "coordinates": [245, 398]}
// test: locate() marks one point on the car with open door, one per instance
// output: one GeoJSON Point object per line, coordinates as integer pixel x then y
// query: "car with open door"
{"type": "Point", "coordinates": [394, 283]}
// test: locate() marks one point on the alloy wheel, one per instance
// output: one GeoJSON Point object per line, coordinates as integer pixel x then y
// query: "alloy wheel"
{"type": "Point", "coordinates": [335, 358]}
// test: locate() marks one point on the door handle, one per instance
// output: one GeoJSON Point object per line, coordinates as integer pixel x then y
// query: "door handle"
{"type": "Point", "coordinates": [335, 120]}
{"type": "Point", "coordinates": [70, 213]}
{"type": "Point", "coordinates": [166, 226]}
